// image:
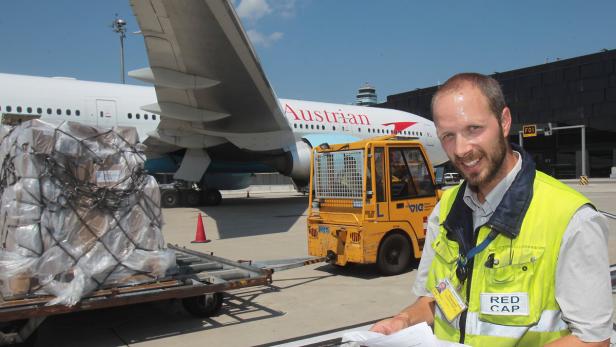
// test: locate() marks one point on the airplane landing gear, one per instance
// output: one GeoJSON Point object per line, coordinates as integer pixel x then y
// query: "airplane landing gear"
{"type": "Point", "coordinates": [212, 197]}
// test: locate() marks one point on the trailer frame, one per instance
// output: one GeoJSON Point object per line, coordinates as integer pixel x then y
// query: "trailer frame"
{"type": "Point", "coordinates": [197, 275]}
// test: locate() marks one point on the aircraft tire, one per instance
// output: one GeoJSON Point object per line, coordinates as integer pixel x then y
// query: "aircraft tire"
{"type": "Point", "coordinates": [212, 197]}
{"type": "Point", "coordinates": [192, 198]}
{"type": "Point", "coordinates": [205, 305]}
{"type": "Point", "coordinates": [170, 198]}
{"type": "Point", "coordinates": [394, 254]}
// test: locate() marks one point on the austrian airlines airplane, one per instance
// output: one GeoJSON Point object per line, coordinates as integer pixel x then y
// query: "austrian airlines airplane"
{"type": "Point", "coordinates": [212, 116]}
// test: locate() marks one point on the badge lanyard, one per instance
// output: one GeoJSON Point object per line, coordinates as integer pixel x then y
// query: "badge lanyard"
{"type": "Point", "coordinates": [461, 270]}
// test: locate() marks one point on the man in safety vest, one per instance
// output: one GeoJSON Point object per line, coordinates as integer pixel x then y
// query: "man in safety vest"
{"type": "Point", "coordinates": [513, 257]}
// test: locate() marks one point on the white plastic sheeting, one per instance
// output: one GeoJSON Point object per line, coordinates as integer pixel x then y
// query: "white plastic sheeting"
{"type": "Point", "coordinates": [77, 212]}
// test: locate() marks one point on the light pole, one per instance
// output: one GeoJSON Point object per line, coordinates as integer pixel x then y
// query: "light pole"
{"type": "Point", "coordinates": [119, 26]}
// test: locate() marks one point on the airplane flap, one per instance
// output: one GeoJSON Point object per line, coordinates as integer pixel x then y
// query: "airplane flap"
{"type": "Point", "coordinates": [204, 69]}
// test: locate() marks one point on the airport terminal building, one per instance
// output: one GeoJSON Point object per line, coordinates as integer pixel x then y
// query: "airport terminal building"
{"type": "Point", "coordinates": [568, 94]}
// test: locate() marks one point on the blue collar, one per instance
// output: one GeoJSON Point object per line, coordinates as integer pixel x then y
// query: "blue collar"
{"type": "Point", "coordinates": [508, 216]}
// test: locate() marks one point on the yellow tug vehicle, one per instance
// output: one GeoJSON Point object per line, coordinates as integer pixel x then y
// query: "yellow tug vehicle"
{"type": "Point", "coordinates": [370, 201]}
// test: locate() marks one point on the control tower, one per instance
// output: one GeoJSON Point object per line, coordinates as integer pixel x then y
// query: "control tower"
{"type": "Point", "coordinates": [366, 96]}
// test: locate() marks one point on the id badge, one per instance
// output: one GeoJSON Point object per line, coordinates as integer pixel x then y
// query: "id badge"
{"type": "Point", "coordinates": [448, 299]}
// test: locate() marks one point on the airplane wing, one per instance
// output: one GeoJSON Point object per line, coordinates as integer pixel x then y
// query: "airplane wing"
{"type": "Point", "coordinates": [207, 77]}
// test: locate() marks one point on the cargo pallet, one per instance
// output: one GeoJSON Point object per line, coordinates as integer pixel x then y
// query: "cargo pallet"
{"type": "Point", "coordinates": [199, 282]}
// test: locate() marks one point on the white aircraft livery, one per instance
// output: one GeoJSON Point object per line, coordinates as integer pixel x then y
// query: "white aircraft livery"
{"type": "Point", "coordinates": [212, 116]}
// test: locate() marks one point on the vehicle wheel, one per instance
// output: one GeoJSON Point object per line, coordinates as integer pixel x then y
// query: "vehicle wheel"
{"type": "Point", "coordinates": [192, 198]}
{"type": "Point", "coordinates": [394, 254]}
{"type": "Point", "coordinates": [170, 198]}
{"type": "Point", "coordinates": [16, 327]}
{"type": "Point", "coordinates": [205, 305]}
{"type": "Point", "coordinates": [212, 197]}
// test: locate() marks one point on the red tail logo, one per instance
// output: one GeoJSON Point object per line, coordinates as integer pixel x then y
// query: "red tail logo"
{"type": "Point", "coordinates": [400, 126]}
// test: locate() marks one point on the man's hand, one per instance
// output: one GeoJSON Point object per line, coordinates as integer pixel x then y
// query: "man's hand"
{"type": "Point", "coordinates": [421, 311]}
{"type": "Point", "coordinates": [390, 325]}
{"type": "Point", "coordinates": [574, 341]}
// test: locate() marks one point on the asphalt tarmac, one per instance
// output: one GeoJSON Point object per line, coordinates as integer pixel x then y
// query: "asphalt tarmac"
{"type": "Point", "coordinates": [300, 302]}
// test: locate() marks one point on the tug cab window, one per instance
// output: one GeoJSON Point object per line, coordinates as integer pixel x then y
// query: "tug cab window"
{"type": "Point", "coordinates": [409, 174]}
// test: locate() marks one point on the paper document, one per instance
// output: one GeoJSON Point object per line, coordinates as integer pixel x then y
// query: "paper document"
{"type": "Point", "coordinates": [419, 335]}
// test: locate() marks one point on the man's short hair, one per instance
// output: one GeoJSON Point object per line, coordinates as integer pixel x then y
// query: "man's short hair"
{"type": "Point", "coordinates": [488, 86]}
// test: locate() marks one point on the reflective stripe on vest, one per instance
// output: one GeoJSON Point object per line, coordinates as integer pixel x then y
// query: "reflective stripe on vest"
{"type": "Point", "coordinates": [525, 264]}
{"type": "Point", "coordinates": [550, 321]}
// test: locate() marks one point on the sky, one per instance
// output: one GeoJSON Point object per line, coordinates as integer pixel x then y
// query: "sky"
{"type": "Point", "coordinates": [323, 50]}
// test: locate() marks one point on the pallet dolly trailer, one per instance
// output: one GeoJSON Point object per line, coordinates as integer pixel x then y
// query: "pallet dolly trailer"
{"type": "Point", "coordinates": [199, 281]}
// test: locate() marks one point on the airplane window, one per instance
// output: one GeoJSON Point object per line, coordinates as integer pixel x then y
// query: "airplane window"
{"type": "Point", "coordinates": [130, 116]}
{"type": "Point", "coordinates": [8, 109]}
{"type": "Point", "coordinates": [29, 109]}
{"type": "Point", "coordinates": [333, 128]}
{"type": "Point", "coordinates": [153, 117]}
{"type": "Point", "coordinates": [312, 126]}
{"type": "Point", "coordinates": [19, 109]}
{"type": "Point", "coordinates": [58, 112]}
{"type": "Point", "coordinates": [359, 130]}
{"type": "Point", "coordinates": [48, 111]}
{"type": "Point", "coordinates": [295, 126]}
{"type": "Point", "coordinates": [138, 116]}
{"type": "Point", "coordinates": [420, 134]}
{"type": "Point", "coordinates": [145, 116]}
{"type": "Point", "coordinates": [323, 127]}
{"type": "Point", "coordinates": [77, 113]}
{"type": "Point", "coordinates": [68, 112]}
{"type": "Point", "coordinates": [39, 110]}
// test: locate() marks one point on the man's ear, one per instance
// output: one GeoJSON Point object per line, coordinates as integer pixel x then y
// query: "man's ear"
{"type": "Point", "coordinates": [506, 121]}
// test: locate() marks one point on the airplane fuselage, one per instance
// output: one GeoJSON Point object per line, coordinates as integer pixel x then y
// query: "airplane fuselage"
{"type": "Point", "coordinates": [108, 105]}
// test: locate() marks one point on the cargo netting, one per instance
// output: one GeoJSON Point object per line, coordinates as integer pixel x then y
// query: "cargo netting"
{"type": "Point", "coordinates": [78, 212]}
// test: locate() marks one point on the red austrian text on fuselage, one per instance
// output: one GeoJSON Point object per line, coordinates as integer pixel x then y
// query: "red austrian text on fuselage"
{"type": "Point", "coordinates": [324, 116]}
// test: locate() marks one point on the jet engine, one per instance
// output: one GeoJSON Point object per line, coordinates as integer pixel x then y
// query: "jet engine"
{"type": "Point", "coordinates": [298, 163]}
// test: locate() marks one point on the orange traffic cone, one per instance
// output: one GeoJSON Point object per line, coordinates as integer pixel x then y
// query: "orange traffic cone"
{"type": "Point", "coordinates": [200, 233]}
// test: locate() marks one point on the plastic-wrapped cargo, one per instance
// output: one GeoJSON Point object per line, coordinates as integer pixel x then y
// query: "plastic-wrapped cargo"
{"type": "Point", "coordinates": [77, 212]}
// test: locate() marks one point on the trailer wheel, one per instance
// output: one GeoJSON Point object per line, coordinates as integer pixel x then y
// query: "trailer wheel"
{"type": "Point", "coordinates": [212, 197]}
{"type": "Point", "coordinates": [170, 198]}
{"type": "Point", "coordinates": [12, 333]}
{"type": "Point", "coordinates": [394, 254]}
{"type": "Point", "coordinates": [205, 305]}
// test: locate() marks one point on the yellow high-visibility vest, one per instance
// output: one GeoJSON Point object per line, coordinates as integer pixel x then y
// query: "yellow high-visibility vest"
{"type": "Point", "coordinates": [511, 301]}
